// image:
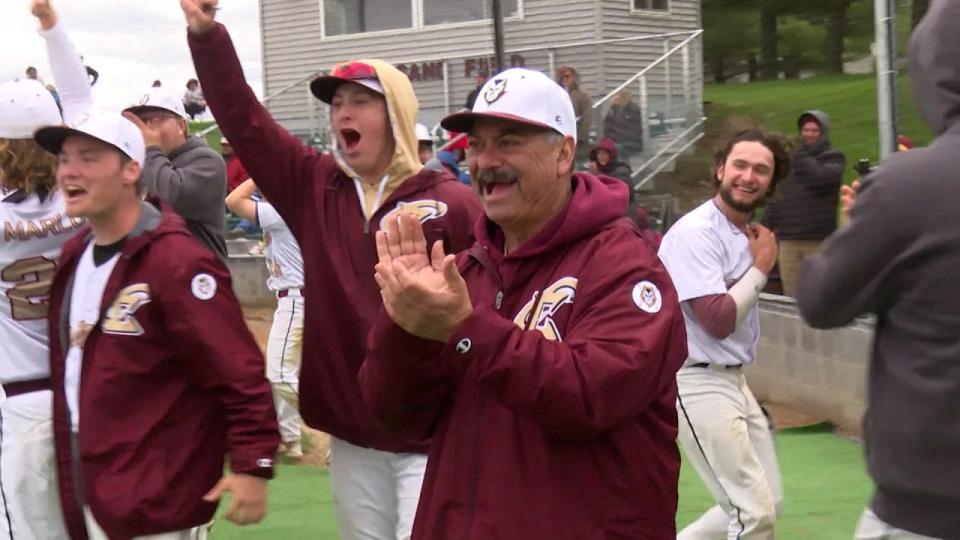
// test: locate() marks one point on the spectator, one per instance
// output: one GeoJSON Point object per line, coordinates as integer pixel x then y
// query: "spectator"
{"type": "Point", "coordinates": [424, 143]}
{"type": "Point", "coordinates": [32, 73]}
{"type": "Point", "coordinates": [479, 78]}
{"type": "Point", "coordinates": [582, 108]}
{"type": "Point", "coordinates": [450, 156]}
{"type": "Point", "coordinates": [182, 170]}
{"type": "Point", "coordinates": [236, 173]}
{"type": "Point", "coordinates": [603, 160]}
{"type": "Point", "coordinates": [550, 418]}
{"type": "Point", "coordinates": [157, 84]}
{"type": "Point", "coordinates": [193, 101]}
{"type": "Point", "coordinates": [624, 124]}
{"type": "Point", "coordinates": [805, 211]}
{"type": "Point", "coordinates": [899, 258]}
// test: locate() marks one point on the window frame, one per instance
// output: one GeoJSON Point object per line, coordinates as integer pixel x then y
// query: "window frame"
{"type": "Point", "coordinates": [417, 23]}
{"type": "Point", "coordinates": [656, 12]}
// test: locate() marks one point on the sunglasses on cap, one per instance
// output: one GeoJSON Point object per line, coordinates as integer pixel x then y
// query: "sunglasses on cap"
{"type": "Point", "coordinates": [354, 70]}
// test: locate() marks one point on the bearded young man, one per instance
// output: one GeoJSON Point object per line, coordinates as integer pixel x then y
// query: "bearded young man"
{"type": "Point", "coordinates": [719, 263]}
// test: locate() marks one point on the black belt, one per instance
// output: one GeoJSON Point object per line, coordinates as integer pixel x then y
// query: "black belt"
{"type": "Point", "coordinates": [286, 292]}
{"type": "Point", "coordinates": [26, 387]}
{"type": "Point", "coordinates": [707, 365]}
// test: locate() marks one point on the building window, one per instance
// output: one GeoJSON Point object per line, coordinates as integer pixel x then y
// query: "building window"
{"type": "Point", "coordinates": [455, 11]}
{"type": "Point", "coordinates": [650, 5]}
{"type": "Point", "coordinates": [342, 17]}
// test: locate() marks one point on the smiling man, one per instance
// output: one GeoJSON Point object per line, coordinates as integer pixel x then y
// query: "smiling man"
{"type": "Point", "coordinates": [543, 361]}
{"type": "Point", "coordinates": [155, 375]}
{"type": "Point", "coordinates": [719, 262]}
{"type": "Point", "coordinates": [333, 204]}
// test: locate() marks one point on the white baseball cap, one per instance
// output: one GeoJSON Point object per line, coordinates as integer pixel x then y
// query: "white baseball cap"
{"type": "Point", "coordinates": [110, 128]}
{"type": "Point", "coordinates": [26, 106]}
{"type": "Point", "coordinates": [160, 98]}
{"type": "Point", "coordinates": [521, 95]}
{"type": "Point", "coordinates": [423, 134]}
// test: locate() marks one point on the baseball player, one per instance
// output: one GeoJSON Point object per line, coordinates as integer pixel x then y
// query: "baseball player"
{"type": "Point", "coordinates": [34, 228]}
{"type": "Point", "coordinates": [334, 203]}
{"type": "Point", "coordinates": [719, 263]}
{"type": "Point", "coordinates": [284, 346]}
{"type": "Point", "coordinates": [155, 375]}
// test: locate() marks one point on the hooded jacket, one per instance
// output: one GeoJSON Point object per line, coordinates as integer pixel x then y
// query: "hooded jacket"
{"type": "Point", "coordinates": [318, 199]}
{"type": "Point", "coordinates": [805, 207]}
{"type": "Point", "coordinates": [614, 168]}
{"type": "Point", "coordinates": [193, 179]}
{"type": "Point", "coordinates": [899, 257]}
{"type": "Point", "coordinates": [552, 406]}
{"type": "Point", "coordinates": [171, 381]}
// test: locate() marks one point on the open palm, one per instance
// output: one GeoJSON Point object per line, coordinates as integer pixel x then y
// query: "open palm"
{"type": "Point", "coordinates": [404, 243]}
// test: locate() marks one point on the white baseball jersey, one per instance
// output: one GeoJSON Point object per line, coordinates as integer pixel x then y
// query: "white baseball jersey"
{"type": "Point", "coordinates": [34, 231]}
{"type": "Point", "coordinates": [282, 252]}
{"type": "Point", "coordinates": [705, 254]}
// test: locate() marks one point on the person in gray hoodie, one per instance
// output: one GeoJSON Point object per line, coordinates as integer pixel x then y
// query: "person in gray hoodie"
{"type": "Point", "coordinates": [182, 170]}
{"type": "Point", "coordinates": [899, 257]}
{"type": "Point", "coordinates": [804, 212]}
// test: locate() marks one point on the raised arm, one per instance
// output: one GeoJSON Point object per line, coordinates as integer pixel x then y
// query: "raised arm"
{"type": "Point", "coordinates": [283, 165]}
{"type": "Point", "coordinates": [70, 76]}
{"type": "Point", "coordinates": [239, 201]}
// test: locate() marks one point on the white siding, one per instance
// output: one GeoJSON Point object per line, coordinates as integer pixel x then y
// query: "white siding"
{"type": "Point", "coordinates": [293, 49]}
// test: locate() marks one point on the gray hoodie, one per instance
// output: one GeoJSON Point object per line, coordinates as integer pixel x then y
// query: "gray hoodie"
{"type": "Point", "coordinates": [900, 258]}
{"type": "Point", "coordinates": [193, 180]}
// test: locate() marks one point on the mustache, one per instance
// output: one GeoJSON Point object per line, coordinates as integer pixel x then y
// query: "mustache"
{"type": "Point", "coordinates": [497, 176]}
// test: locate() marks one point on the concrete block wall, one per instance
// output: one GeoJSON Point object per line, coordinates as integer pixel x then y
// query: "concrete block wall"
{"type": "Point", "coordinates": [249, 274]}
{"type": "Point", "coordinates": [819, 372]}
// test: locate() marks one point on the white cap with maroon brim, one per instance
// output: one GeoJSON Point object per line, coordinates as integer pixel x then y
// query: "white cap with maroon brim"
{"type": "Point", "coordinates": [520, 95]}
{"type": "Point", "coordinates": [110, 128]}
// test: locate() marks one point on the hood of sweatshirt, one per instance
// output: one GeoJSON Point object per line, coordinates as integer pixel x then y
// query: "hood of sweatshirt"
{"type": "Point", "coordinates": [607, 144]}
{"type": "Point", "coordinates": [934, 71]}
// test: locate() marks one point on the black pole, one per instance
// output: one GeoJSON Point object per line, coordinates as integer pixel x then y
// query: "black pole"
{"type": "Point", "coordinates": [498, 34]}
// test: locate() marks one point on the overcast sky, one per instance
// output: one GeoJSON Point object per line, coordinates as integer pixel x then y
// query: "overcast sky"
{"type": "Point", "coordinates": [130, 42]}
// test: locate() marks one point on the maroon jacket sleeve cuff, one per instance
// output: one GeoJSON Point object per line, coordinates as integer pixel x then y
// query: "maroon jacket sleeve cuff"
{"type": "Point", "coordinates": [261, 468]}
{"type": "Point", "coordinates": [479, 337]}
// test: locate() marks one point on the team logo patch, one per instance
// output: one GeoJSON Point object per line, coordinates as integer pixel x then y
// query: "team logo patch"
{"type": "Point", "coordinates": [538, 314]}
{"type": "Point", "coordinates": [424, 210]}
{"type": "Point", "coordinates": [647, 297]}
{"type": "Point", "coordinates": [203, 286]}
{"type": "Point", "coordinates": [120, 319]}
{"type": "Point", "coordinates": [145, 99]}
{"type": "Point", "coordinates": [495, 91]}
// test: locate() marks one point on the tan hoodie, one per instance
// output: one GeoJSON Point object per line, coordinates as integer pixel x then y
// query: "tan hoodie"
{"type": "Point", "coordinates": [402, 109]}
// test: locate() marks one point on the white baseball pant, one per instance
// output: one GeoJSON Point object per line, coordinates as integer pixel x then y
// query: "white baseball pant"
{"type": "Point", "coordinates": [284, 350]}
{"type": "Point", "coordinates": [871, 527]}
{"type": "Point", "coordinates": [375, 492]}
{"type": "Point", "coordinates": [728, 441]}
{"type": "Point", "coordinates": [95, 532]}
{"type": "Point", "coordinates": [29, 494]}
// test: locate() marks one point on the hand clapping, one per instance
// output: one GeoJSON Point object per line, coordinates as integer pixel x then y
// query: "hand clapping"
{"type": "Point", "coordinates": [424, 295]}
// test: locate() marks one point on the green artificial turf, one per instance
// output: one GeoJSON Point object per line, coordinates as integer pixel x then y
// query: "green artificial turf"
{"type": "Point", "coordinates": [823, 474]}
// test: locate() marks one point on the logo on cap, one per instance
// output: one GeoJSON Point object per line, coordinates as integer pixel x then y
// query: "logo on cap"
{"type": "Point", "coordinates": [495, 91]}
{"type": "Point", "coordinates": [145, 99]}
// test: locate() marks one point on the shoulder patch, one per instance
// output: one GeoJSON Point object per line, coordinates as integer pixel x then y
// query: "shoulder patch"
{"type": "Point", "coordinates": [647, 297]}
{"type": "Point", "coordinates": [203, 286]}
{"type": "Point", "coordinates": [423, 209]}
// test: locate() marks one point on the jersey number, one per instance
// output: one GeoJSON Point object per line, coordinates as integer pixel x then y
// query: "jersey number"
{"type": "Point", "coordinates": [32, 279]}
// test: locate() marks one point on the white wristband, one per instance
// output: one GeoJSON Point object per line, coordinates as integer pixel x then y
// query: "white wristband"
{"type": "Point", "coordinates": [746, 292]}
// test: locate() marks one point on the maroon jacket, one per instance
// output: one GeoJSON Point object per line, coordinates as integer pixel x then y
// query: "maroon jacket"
{"type": "Point", "coordinates": [320, 205]}
{"type": "Point", "coordinates": [170, 383]}
{"type": "Point", "coordinates": [552, 406]}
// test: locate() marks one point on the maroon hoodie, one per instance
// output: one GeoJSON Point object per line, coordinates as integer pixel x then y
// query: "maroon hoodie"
{"type": "Point", "coordinates": [552, 406]}
{"type": "Point", "coordinates": [320, 205]}
{"type": "Point", "coordinates": [170, 383]}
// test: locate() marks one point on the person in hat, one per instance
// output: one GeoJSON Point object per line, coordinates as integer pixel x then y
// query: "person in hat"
{"type": "Point", "coordinates": [35, 225]}
{"type": "Point", "coordinates": [333, 204]}
{"type": "Point", "coordinates": [155, 375]}
{"type": "Point", "coordinates": [182, 170]}
{"type": "Point", "coordinates": [424, 144]}
{"type": "Point", "coordinates": [542, 361]}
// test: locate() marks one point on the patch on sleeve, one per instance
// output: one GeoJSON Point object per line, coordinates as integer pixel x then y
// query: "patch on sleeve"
{"type": "Point", "coordinates": [203, 286]}
{"type": "Point", "coordinates": [647, 297]}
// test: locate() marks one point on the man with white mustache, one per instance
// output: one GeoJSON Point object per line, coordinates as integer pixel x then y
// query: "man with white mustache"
{"type": "Point", "coordinates": [719, 263]}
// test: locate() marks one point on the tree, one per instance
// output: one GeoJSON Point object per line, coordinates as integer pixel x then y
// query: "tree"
{"type": "Point", "coordinates": [833, 43]}
{"type": "Point", "coordinates": [769, 60]}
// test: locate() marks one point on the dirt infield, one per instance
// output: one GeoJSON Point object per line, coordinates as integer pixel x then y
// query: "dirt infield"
{"type": "Point", "coordinates": [316, 444]}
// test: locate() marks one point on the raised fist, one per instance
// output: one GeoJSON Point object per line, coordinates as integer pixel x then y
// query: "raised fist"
{"type": "Point", "coordinates": [44, 12]}
{"type": "Point", "coordinates": [199, 14]}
